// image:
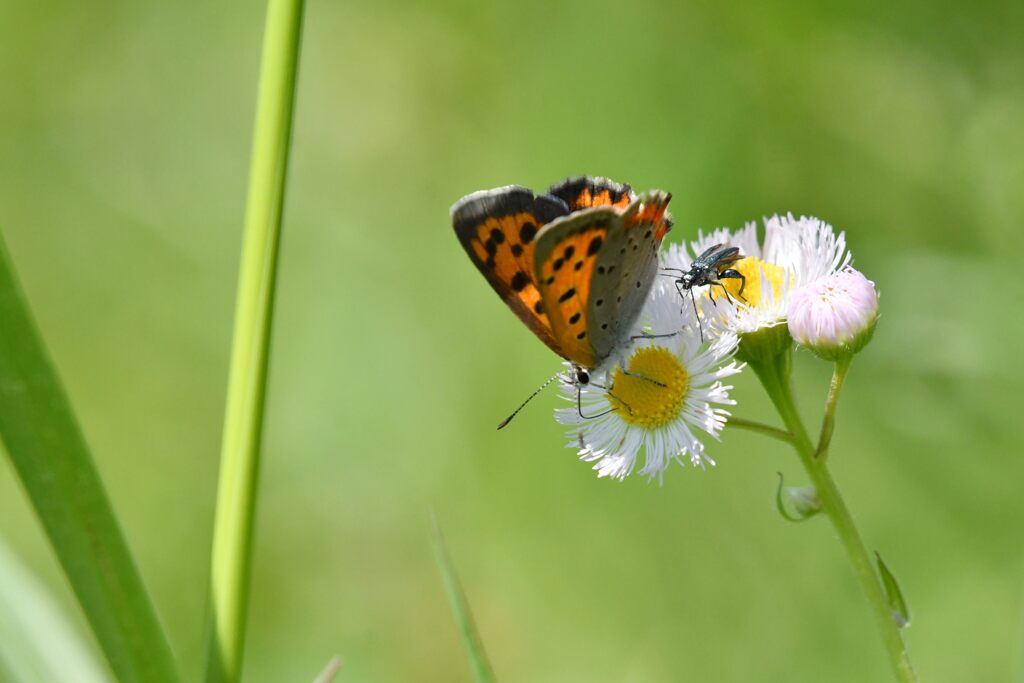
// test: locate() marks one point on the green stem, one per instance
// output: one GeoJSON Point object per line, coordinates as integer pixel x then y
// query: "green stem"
{"type": "Point", "coordinates": [52, 460]}
{"type": "Point", "coordinates": [760, 428]}
{"type": "Point", "coordinates": [828, 423]}
{"type": "Point", "coordinates": [243, 420]}
{"type": "Point", "coordinates": [775, 378]}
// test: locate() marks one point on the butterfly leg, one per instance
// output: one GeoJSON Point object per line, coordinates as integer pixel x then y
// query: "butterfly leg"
{"type": "Point", "coordinates": [652, 336]}
{"type": "Point", "coordinates": [609, 391]}
{"type": "Point", "coordinates": [735, 275]}
{"type": "Point", "coordinates": [579, 403]}
{"type": "Point", "coordinates": [627, 373]}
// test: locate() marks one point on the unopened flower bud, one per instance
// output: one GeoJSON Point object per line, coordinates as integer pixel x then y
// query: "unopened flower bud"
{"type": "Point", "coordinates": [835, 315]}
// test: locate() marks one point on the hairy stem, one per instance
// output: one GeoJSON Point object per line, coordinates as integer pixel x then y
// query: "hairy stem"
{"type": "Point", "coordinates": [828, 423]}
{"type": "Point", "coordinates": [776, 381]}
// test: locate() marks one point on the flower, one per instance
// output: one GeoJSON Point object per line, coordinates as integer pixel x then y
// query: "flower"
{"type": "Point", "coordinates": [795, 252]}
{"type": "Point", "coordinates": [655, 396]}
{"type": "Point", "coordinates": [835, 315]}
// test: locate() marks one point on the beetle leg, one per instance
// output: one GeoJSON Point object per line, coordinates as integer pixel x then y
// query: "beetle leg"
{"type": "Point", "coordinates": [727, 297]}
{"type": "Point", "coordinates": [735, 275]}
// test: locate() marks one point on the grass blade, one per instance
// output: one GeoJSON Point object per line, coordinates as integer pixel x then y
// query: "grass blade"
{"type": "Point", "coordinates": [50, 455]}
{"type": "Point", "coordinates": [243, 420]}
{"type": "Point", "coordinates": [478, 664]}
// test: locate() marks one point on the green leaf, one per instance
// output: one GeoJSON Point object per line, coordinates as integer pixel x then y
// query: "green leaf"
{"type": "Point", "coordinates": [804, 500]}
{"type": "Point", "coordinates": [38, 641]}
{"type": "Point", "coordinates": [898, 605]}
{"type": "Point", "coordinates": [50, 457]}
{"type": "Point", "coordinates": [478, 664]}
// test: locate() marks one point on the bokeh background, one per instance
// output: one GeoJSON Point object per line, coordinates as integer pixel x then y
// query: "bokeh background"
{"type": "Point", "coordinates": [124, 140]}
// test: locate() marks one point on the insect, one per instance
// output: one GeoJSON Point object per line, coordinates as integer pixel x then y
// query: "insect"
{"type": "Point", "coordinates": [710, 268]}
{"type": "Point", "coordinates": [575, 263]}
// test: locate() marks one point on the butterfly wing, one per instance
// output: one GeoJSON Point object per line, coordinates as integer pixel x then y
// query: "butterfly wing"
{"type": "Point", "coordinates": [565, 261]}
{"type": "Point", "coordinates": [498, 229]}
{"type": "Point", "coordinates": [625, 268]}
{"type": "Point", "coordinates": [585, 192]}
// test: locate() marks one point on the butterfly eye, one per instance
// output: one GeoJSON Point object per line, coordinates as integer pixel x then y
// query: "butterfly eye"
{"type": "Point", "coordinates": [582, 376]}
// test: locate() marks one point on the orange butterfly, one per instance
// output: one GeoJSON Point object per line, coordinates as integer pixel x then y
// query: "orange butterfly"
{"type": "Point", "coordinates": [575, 263]}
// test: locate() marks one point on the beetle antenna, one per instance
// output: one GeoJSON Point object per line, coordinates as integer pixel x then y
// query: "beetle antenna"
{"type": "Point", "coordinates": [523, 404]}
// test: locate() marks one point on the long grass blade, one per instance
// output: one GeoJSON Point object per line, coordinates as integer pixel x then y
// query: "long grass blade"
{"type": "Point", "coordinates": [478, 663]}
{"type": "Point", "coordinates": [243, 420]}
{"type": "Point", "coordinates": [50, 456]}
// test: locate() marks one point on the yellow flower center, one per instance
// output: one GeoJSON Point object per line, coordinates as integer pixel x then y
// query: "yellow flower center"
{"type": "Point", "coordinates": [759, 274]}
{"type": "Point", "coordinates": [645, 403]}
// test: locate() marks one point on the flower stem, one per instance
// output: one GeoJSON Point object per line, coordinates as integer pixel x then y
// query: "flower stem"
{"type": "Point", "coordinates": [775, 378]}
{"type": "Point", "coordinates": [828, 423]}
{"type": "Point", "coordinates": [243, 420]}
{"type": "Point", "coordinates": [760, 428]}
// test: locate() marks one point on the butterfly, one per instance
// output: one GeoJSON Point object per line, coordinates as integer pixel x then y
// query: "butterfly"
{"type": "Point", "coordinates": [575, 263]}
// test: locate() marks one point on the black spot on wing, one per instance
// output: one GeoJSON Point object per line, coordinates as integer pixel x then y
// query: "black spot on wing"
{"type": "Point", "coordinates": [527, 232]}
{"type": "Point", "coordinates": [473, 209]}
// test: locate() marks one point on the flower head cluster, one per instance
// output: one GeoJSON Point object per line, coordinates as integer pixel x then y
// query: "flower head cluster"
{"type": "Point", "coordinates": [794, 252]}
{"type": "Point", "coordinates": [654, 402]}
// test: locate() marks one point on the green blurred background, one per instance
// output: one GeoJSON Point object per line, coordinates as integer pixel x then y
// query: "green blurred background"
{"type": "Point", "coordinates": [124, 139]}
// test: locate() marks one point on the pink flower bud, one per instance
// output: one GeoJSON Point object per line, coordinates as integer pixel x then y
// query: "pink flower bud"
{"type": "Point", "coordinates": [834, 315]}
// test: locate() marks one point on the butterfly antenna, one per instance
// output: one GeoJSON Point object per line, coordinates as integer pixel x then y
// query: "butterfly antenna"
{"type": "Point", "coordinates": [523, 404]}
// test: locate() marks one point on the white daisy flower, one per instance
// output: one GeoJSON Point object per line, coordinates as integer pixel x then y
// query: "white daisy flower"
{"type": "Point", "coordinates": [667, 394]}
{"type": "Point", "coordinates": [795, 252]}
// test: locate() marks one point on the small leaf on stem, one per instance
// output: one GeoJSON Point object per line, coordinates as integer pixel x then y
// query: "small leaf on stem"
{"type": "Point", "coordinates": [900, 611]}
{"type": "Point", "coordinates": [803, 499]}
